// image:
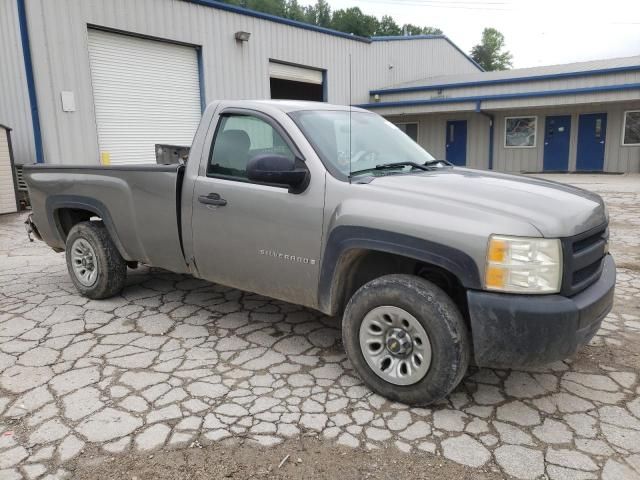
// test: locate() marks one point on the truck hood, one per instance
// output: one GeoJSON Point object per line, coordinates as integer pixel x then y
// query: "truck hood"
{"type": "Point", "coordinates": [554, 209]}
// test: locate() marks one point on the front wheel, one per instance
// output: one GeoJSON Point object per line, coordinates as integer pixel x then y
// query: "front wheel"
{"type": "Point", "coordinates": [96, 267]}
{"type": "Point", "coordinates": [406, 339]}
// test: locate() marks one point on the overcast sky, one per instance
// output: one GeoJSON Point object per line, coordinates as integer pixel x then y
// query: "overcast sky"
{"type": "Point", "coordinates": [537, 32]}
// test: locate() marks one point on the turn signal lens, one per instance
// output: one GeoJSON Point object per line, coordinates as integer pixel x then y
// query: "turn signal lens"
{"type": "Point", "coordinates": [523, 265]}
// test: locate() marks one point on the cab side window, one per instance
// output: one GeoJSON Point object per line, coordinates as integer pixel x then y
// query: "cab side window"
{"type": "Point", "coordinates": [238, 140]}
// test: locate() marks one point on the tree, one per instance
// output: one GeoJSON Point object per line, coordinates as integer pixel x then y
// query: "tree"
{"type": "Point", "coordinates": [352, 20]}
{"type": "Point", "coordinates": [410, 29]}
{"type": "Point", "coordinates": [388, 27]}
{"type": "Point", "coordinates": [489, 53]}
{"type": "Point", "coordinates": [294, 11]}
{"type": "Point", "coordinates": [319, 14]}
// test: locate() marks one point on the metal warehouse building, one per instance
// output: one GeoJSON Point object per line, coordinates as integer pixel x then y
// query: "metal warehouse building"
{"type": "Point", "coordinates": [90, 81]}
{"type": "Point", "coordinates": [573, 117]}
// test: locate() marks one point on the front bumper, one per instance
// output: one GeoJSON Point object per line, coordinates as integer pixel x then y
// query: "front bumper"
{"type": "Point", "coordinates": [520, 330]}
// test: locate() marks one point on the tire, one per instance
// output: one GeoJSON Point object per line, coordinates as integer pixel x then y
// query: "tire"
{"type": "Point", "coordinates": [439, 318]}
{"type": "Point", "coordinates": [105, 271]}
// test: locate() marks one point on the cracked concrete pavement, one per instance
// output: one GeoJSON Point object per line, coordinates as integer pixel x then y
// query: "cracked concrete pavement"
{"type": "Point", "coordinates": [175, 363]}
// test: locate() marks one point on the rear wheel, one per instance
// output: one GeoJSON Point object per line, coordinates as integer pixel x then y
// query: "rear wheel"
{"type": "Point", "coordinates": [96, 267]}
{"type": "Point", "coordinates": [406, 339]}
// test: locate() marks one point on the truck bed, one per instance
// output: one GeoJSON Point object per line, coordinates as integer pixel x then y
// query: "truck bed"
{"type": "Point", "coordinates": [139, 204]}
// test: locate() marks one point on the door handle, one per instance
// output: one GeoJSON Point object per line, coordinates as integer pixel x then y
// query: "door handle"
{"type": "Point", "coordinates": [212, 199]}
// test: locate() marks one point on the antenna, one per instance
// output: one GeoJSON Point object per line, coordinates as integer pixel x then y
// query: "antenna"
{"type": "Point", "coordinates": [350, 108]}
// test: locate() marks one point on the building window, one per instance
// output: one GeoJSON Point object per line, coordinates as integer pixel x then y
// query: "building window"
{"type": "Point", "coordinates": [520, 132]}
{"type": "Point", "coordinates": [631, 129]}
{"type": "Point", "coordinates": [411, 129]}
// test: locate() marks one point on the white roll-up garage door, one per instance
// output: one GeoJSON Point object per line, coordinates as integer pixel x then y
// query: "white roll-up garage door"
{"type": "Point", "coordinates": [7, 187]}
{"type": "Point", "coordinates": [146, 92]}
{"type": "Point", "coordinates": [294, 73]}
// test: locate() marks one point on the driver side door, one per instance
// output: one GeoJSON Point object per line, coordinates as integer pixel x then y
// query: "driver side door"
{"type": "Point", "coordinates": [256, 237]}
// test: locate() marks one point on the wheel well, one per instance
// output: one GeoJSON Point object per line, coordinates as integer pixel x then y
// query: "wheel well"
{"type": "Point", "coordinates": [66, 218]}
{"type": "Point", "coordinates": [361, 266]}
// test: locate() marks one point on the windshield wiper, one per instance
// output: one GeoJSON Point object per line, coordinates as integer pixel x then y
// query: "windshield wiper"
{"type": "Point", "coordinates": [426, 166]}
{"type": "Point", "coordinates": [385, 166]}
{"type": "Point", "coordinates": [435, 162]}
{"type": "Point", "coordinates": [391, 166]}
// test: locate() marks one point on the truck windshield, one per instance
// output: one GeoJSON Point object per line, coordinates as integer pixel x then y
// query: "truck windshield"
{"type": "Point", "coordinates": [357, 142]}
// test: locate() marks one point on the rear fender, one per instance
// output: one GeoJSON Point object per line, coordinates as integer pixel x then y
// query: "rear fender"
{"type": "Point", "coordinates": [57, 202]}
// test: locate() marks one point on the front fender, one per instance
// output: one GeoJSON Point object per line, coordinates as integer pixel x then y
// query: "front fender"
{"type": "Point", "coordinates": [342, 239]}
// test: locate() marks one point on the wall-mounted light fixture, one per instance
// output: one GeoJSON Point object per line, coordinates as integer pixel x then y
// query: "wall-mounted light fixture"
{"type": "Point", "coordinates": [243, 36]}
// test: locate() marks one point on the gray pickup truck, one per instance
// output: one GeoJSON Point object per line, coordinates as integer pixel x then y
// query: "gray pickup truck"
{"type": "Point", "coordinates": [429, 266]}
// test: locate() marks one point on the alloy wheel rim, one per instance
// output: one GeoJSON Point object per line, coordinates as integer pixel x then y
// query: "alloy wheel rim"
{"type": "Point", "coordinates": [395, 345]}
{"type": "Point", "coordinates": [84, 262]}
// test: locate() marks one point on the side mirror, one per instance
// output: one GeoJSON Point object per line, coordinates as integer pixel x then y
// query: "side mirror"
{"type": "Point", "coordinates": [279, 170]}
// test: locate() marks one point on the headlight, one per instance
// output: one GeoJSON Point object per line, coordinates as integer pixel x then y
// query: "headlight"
{"type": "Point", "coordinates": [523, 265]}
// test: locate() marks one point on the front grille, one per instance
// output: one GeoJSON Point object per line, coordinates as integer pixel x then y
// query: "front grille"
{"type": "Point", "coordinates": [583, 257]}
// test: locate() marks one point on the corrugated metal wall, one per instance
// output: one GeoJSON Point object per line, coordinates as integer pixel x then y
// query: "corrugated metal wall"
{"type": "Point", "coordinates": [15, 111]}
{"type": "Point", "coordinates": [618, 157]}
{"type": "Point", "coordinates": [232, 70]}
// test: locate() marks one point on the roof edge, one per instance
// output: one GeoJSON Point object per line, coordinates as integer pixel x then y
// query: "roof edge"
{"type": "Point", "coordinates": [395, 38]}
{"type": "Point", "coordinates": [502, 96]}
{"type": "Point", "coordinates": [501, 81]}
{"type": "Point", "coordinates": [274, 18]}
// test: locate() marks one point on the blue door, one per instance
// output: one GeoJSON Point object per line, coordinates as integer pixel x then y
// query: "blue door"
{"type": "Point", "coordinates": [456, 142]}
{"type": "Point", "coordinates": [592, 133]}
{"type": "Point", "coordinates": [557, 132]}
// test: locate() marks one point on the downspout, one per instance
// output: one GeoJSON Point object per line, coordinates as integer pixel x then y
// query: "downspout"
{"type": "Point", "coordinates": [491, 130]}
{"type": "Point", "coordinates": [31, 87]}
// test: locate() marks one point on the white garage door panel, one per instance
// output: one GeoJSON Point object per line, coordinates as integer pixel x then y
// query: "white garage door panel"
{"type": "Point", "coordinates": [145, 92]}
{"type": "Point", "coordinates": [7, 190]}
{"type": "Point", "coordinates": [294, 73]}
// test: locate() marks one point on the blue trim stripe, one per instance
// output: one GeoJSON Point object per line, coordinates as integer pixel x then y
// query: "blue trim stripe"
{"type": "Point", "coordinates": [503, 96]}
{"type": "Point", "coordinates": [273, 18]}
{"type": "Point", "coordinates": [393, 38]}
{"type": "Point", "coordinates": [502, 81]}
{"type": "Point", "coordinates": [203, 99]}
{"type": "Point", "coordinates": [28, 67]}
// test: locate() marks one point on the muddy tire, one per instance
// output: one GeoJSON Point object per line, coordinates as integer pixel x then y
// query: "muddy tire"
{"type": "Point", "coordinates": [406, 339]}
{"type": "Point", "coordinates": [95, 266]}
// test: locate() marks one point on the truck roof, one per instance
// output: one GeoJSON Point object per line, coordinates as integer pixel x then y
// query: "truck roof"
{"type": "Point", "coordinates": [287, 105]}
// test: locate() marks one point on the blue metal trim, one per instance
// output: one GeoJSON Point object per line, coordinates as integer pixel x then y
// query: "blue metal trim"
{"type": "Point", "coordinates": [273, 18]}
{"type": "Point", "coordinates": [503, 96]}
{"type": "Point", "coordinates": [203, 99]}
{"type": "Point", "coordinates": [491, 131]}
{"type": "Point", "coordinates": [28, 68]}
{"type": "Point", "coordinates": [325, 87]}
{"type": "Point", "coordinates": [393, 38]}
{"type": "Point", "coordinates": [492, 127]}
{"type": "Point", "coordinates": [502, 81]}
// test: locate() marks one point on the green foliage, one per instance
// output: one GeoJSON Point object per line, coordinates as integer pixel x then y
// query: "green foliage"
{"type": "Point", "coordinates": [352, 20]}
{"type": "Point", "coordinates": [410, 29]}
{"type": "Point", "coordinates": [388, 27]}
{"type": "Point", "coordinates": [489, 53]}
{"type": "Point", "coordinates": [349, 20]}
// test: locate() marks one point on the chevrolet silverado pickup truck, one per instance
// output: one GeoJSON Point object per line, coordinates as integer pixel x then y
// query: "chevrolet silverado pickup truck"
{"type": "Point", "coordinates": [429, 266]}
